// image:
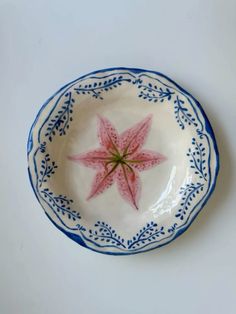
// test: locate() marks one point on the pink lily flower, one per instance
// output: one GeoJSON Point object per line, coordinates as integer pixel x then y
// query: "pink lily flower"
{"type": "Point", "coordinates": [119, 159]}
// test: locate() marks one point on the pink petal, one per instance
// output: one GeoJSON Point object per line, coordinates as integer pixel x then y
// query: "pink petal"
{"type": "Point", "coordinates": [128, 184]}
{"type": "Point", "coordinates": [133, 138]}
{"type": "Point", "coordinates": [102, 181]}
{"type": "Point", "coordinates": [145, 159]}
{"type": "Point", "coordinates": [107, 134]}
{"type": "Point", "coordinates": [95, 159]}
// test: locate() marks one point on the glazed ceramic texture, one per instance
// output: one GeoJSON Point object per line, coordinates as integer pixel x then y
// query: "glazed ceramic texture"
{"type": "Point", "coordinates": [122, 160]}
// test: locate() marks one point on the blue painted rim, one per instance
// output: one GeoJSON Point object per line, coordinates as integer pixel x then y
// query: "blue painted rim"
{"type": "Point", "coordinates": [208, 127]}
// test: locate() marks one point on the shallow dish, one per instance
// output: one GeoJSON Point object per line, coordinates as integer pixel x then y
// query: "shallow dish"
{"type": "Point", "coordinates": [122, 160]}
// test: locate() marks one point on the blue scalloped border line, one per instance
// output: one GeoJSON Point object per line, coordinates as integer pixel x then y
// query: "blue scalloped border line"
{"type": "Point", "coordinates": [57, 122]}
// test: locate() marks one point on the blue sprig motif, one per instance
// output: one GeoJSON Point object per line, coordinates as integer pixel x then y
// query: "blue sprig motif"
{"type": "Point", "coordinates": [197, 162]}
{"type": "Point", "coordinates": [172, 228]}
{"type": "Point", "coordinates": [188, 192]}
{"type": "Point", "coordinates": [146, 235]}
{"type": "Point", "coordinates": [106, 234]}
{"type": "Point", "coordinates": [153, 92]}
{"type": "Point", "coordinates": [60, 204]}
{"type": "Point", "coordinates": [60, 122]}
{"type": "Point", "coordinates": [47, 168]}
{"type": "Point", "coordinates": [197, 159]}
{"type": "Point", "coordinates": [42, 147]}
{"type": "Point", "coordinates": [96, 89]}
{"type": "Point", "coordinates": [182, 115]}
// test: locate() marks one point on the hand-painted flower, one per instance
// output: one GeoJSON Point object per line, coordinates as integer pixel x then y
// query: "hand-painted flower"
{"type": "Point", "coordinates": [119, 159]}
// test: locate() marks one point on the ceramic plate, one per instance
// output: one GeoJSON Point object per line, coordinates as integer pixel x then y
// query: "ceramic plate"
{"type": "Point", "coordinates": [122, 160]}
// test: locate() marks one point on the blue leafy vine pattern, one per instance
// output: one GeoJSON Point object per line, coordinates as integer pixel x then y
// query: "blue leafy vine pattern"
{"type": "Point", "coordinates": [197, 159]}
{"type": "Point", "coordinates": [172, 228]}
{"type": "Point", "coordinates": [61, 204]}
{"type": "Point", "coordinates": [197, 162]}
{"type": "Point", "coordinates": [147, 234]}
{"type": "Point", "coordinates": [47, 169]}
{"type": "Point", "coordinates": [97, 88]}
{"type": "Point", "coordinates": [60, 122]}
{"type": "Point", "coordinates": [182, 115]}
{"type": "Point", "coordinates": [103, 234]}
{"type": "Point", "coordinates": [188, 192]}
{"type": "Point", "coordinates": [153, 93]}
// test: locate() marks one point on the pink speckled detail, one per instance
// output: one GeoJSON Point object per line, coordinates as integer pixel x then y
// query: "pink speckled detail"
{"type": "Point", "coordinates": [133, 138]}
{"type": "Point", "coordinates": [95, 159]}
{"type": "Point", "coordinates": [145, 160]}
{"type": "Point", "coordinates": [129, 184]}
{"type": "Point", "coordinates": [102, 181]}
{"type": "Point", "coordinates": [119, 159]}
{"type": "Point", "coordinates": [107, 134]}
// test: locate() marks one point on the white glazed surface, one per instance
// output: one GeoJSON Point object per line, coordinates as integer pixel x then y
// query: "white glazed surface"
{"type": "Point", "coordinates": [174, 126]}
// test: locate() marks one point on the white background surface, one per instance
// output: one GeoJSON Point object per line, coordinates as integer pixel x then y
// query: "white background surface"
{"type": "Point", "coordinates": [45, 44]}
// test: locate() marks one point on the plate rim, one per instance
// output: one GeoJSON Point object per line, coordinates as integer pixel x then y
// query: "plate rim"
{"type": "Point", "coordinates": [77, 238]}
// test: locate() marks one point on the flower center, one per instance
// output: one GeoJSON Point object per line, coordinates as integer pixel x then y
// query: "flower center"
{"type": "Point", "coordinates": [117, 158]}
